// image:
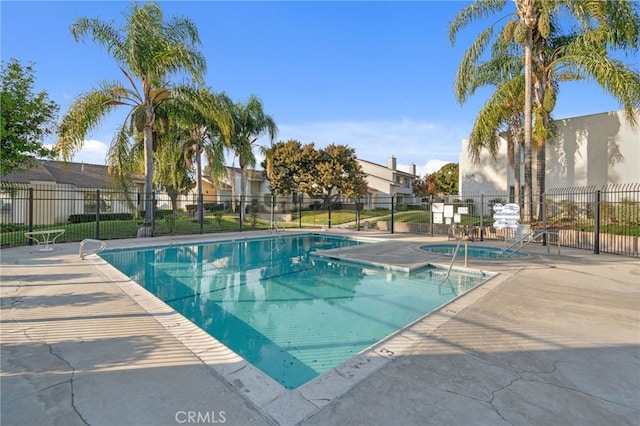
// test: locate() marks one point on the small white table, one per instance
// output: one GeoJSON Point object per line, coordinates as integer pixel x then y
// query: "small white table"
{"type": "Point", "coordinates": [45, 238]}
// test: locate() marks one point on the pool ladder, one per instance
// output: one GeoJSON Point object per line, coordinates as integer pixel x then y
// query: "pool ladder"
{"type": "Point", "coordinates": [101, 246]}
{"type": "Point", "coordinates": [453, 259]}
{"type": "Point", "coordinates": [273, 227]}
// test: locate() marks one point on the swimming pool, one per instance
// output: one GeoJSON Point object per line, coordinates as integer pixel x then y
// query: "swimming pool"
{"type": "Point", "coordinates": [482, 252]}
{"type": "Point", "coordinates": [292, 315]}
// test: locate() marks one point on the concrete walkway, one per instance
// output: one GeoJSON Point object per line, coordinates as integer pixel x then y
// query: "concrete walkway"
{"type": "Point", "coordinates": [550, 340]}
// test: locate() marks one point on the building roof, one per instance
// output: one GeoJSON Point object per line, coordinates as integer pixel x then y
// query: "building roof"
{"type": "Point", "coordinates": [382, 166]}
{"type": "Point", "coordinates": [61, 172]}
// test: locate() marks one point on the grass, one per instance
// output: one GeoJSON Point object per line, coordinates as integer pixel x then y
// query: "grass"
{"type": "Point", "coordinates": [338, 217]}
{"type": "Point", "coordinates": [181, 224]}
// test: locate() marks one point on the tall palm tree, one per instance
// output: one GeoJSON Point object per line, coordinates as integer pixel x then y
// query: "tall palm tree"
{"type": "Point", "coordinates": [146, 48]}
{"type": "Point", "coordinates": [502, 113]}
{"type": "Point", "coordinates": [521, 23]}
{"type": "Point", "coordinates": [208, 124]}
{"type": "Point", "coordinates": [250, 122]}
{"type": "Point", "coordinates": [600, 27]}
{"type": "Point", "coordinates": [173, 172]}
{"type": "Point", "coordinates": [584, 54]}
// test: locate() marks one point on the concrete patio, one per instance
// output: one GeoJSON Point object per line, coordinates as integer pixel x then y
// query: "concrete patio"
{"type": "Point", "coordinates": [550, 340]}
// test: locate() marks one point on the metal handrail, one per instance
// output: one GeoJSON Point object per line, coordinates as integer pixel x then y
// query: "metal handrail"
{"type": "Point", "coordinates": [274, 227]}
{"type": "Point", "coordinates": [453, 258]}
{"type": "Point", "coordinates": [102, 246]}
{"type": "Point", "coordinates": [523, 241]}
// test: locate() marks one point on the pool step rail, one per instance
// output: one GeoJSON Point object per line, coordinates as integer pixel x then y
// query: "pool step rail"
{"type": "Point", "coordinates": [530, 238]}
{"type": "Point", "coordinates": [101, 246]}
{"type": "Point", "coordinates": [453, 259]}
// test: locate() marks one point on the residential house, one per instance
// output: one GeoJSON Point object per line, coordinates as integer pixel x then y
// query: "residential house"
{"type": "Point", "coordinates": [383, 182]}
{"type": "Point", "coordinates": [59, 189]}
{"type": "Point", "coordinates": [387, 181]}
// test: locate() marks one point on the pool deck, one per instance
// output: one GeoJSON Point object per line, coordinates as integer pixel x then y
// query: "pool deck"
{"type": "Point", "coordinates": [549, 340]}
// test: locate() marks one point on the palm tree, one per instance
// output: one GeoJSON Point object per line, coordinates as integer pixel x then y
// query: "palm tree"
{"type": "Point", "coordinates": [584, 54]}
{"type": "Point", "coordinates": [250, 122]}
{"type": "Point", "coordinates": [173, 173]}
{"type": "Point", "coordinates": [601, 26]}
{"type": "Point", "coordinates": [502, 113]}
{"type": "Point", "coordinates": [208, 125]}
{"type": "Point", "coordinates": [148, 49]}
{"type": "Point", "coordinates": [521, 24]}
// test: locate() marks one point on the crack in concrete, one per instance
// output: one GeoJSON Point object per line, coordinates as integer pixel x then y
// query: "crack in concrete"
{"type": "Point", "coordinates": [71, 378]}
{"type": "Point", "coordinates": [520, 377]}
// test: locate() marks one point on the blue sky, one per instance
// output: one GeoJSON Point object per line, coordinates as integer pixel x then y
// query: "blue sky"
{"type": "Point", "coordinates": [376, 76]}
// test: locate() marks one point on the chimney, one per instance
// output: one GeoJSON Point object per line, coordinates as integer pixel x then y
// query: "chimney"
{"type": "Point", "coordinates": [412, 169]}
{"type": "Point", "coordinates": [391, 163]}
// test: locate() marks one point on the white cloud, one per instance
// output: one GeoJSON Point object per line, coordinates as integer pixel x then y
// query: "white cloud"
{"type": "Point", "coordinates": [93, 152]}
{"type": "Point", "coordinates": [411, 142]}
{"type": "Point", "coordinates": [431, 166]}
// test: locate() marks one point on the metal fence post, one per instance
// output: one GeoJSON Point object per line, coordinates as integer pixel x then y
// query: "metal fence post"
{"type": "Point", "coordinates": [481, 217]}
{"type": "Point", "coordinates": [153, 213]}
{"type": "Point", "coordinates": [240, 213]}
{"type": "Point", "coordinates": [97, 214]}
{"type": "Point", "coordinates": [200, 209]}
{"type": "Point", "coordinates": [431, 213]}
{"type": "Point", "coordinates": [30, 214]}
{"type": "Point", "coordinates": [392, 214]}
{"type": "Point", "coordinates": [544, 217]}
{"type": "Point", "coordinates": [596, 228]}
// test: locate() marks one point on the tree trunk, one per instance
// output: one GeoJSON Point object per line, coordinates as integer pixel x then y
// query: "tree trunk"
{"type": "Point", "coordinates": [148, 165]}
{"type": "Point", "coordinates": [528, 125]}
{"type": "Point", "coordinates": [517, 181]}
{"type": "Point", "coordinates": [243, 184]}
{"type": "Point", "coordinates": [199, 208]}
{"type": "Point", "coordinates": [233, 187]}
{"type": "Point", "coordinates": [541, 159]}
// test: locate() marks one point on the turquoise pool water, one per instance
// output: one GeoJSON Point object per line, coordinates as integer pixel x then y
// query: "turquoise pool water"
{"type": "Point", "coordinates": [481, 252]}
{"type": "Point", "coordinates": [292, 315]}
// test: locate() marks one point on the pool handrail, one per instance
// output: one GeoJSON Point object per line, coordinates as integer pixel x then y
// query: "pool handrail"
{"type": "Point", "coordinates": [273, 227]}
{"type": "Point", "coordinates": [453, 259]}
{"type": "Point", "coordinates": [523, 241]}
{"type": "Point", "coordinates": [101, 246]}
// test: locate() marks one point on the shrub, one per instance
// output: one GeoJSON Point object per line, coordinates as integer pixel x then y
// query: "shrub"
{"type": "Point", "coordinates": [12, 227]}
{"type": "Point", "coordinates": [91, 217]}
{"type": "Point", "coordinates": [628, 212]}
{"type": "Point", "coordinates": [212, 207]}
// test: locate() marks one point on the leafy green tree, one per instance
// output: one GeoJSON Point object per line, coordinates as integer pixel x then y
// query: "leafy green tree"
{"type": "Point", "coordinates": [425, 186]}
{"type": "Point", "coordinates": [27, 118]}
{"type": "Point", "coordinates": [324, 173]}
{"type": "Point", "coordinates": [445, 180]}
{"type": "Point", "coordinates": [287, 165]}
{"type": "Point", "coordinates": [146, 48]}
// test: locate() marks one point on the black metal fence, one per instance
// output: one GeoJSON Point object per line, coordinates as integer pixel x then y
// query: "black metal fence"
{"type": "Point", "coordinates": [605, 219]}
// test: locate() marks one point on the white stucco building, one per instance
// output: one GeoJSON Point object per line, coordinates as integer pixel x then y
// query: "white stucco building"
{"type": "Point", "coordinates": [591, 150]}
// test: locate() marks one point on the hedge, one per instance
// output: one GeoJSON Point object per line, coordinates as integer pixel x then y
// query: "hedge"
{"type": "Point", "coordinates": [91, 217]}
